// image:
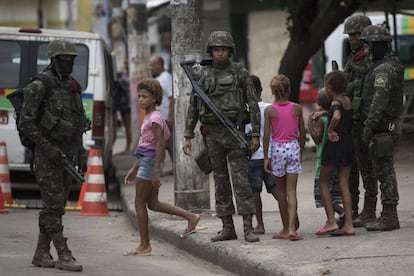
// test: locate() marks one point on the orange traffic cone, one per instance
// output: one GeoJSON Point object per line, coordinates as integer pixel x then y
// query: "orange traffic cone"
{"type": "Point", "coordinates": [2, 209]}
{"type": "Point", "coordinates": [5, 174]}
{"type": "Point", "coordinates": [95, 200]}
{"type": "Point", "coordinates": [82, 193]}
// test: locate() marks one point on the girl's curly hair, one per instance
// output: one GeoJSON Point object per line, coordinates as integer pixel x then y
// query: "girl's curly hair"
{"type": "Point", "coordinates": [280, 86]}
{"type": "Point", "coordinates": [153, 86]}
{"type": "Point", "coordinates": [337, 80]}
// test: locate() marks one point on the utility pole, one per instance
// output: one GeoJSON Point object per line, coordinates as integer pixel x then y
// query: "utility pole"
{"type": "Point", "coordinates": [138, 57]}
{"type": "Point", "coordinates": [118, 33]}
{"type": "Point", "coordinates": [69, 21]}
{"type": "Point", "coordinates": [192, 188]}
{"type": "Point", "coordinates": [40, 14]}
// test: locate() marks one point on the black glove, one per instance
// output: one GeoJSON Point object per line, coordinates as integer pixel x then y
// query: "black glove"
{"type": "Point", "coordinates": [367, 135]}
{"type": "Point", "coordinates": [82, 162]}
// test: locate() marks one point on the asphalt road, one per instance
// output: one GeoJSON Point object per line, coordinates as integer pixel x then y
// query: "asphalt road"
{"type": "Point", "coordinates": [97, 243]}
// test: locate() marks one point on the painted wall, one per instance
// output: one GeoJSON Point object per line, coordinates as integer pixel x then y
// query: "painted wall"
{"type": "Point", "coordinates": [268, 40]}
{"type": "Point", "coordinates": [23, 13]}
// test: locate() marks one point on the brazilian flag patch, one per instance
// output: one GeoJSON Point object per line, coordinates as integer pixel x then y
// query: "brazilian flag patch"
{"type": "Point", "coordinates": [380, 81]}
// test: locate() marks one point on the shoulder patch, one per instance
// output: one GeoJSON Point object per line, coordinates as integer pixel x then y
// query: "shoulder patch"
{"type": "Point", "coordinates": [380, 81]}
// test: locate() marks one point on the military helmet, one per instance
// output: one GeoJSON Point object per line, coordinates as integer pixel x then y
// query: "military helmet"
{"type": "Point", "coordinates": [61, 47]}
{"type": "Point", "coordinates": [376, 33]}
{"type": "Point", "coordinates": [356, 24]}
{"type": "Point", "coordinates": [220, 38]}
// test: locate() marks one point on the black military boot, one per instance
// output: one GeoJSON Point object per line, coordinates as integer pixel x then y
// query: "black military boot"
{"type": "Point", "coordinates": [66, 261]}
{"type": "Point", "coordinates": [368, 213]}
{"type": "Point", "coordinates": [42, 256]}
{"type": "Point", "coordinates": [388, 220]}
{"type": "Point", "coordinates": [228, 232]}
{"type": "Point", "coordinates": [249, 236]}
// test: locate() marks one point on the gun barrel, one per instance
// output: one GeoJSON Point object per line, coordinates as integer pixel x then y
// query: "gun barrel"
{"type": "Point", "coordinates": [187, 62]}
{"type": "Point", "coordinates": [335, 66]}
{"type": "Point", "coordinates": [72, 171]}
{"type": "Point", "coordinates": [186, 65]}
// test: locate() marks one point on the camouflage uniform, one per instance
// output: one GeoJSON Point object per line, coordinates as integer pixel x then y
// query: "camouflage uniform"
{"type": "Point", "coordinates": [383, 89]}
{"type": "Point", "coordinates": [54, 121]}
{"type": "Point", "coordinates": [356, 67]}
{"type": "Point", "coordinates": [230, 88]}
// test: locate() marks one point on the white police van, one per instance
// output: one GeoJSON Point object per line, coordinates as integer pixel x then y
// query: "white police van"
{"type": "Point", "coordinates": [23, 54]}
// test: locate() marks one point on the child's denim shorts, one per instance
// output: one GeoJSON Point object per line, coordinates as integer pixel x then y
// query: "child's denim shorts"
{"type": "Point", "coordinates": [256, 175]}
{"type": "Point", "coordinates": [146, 167]}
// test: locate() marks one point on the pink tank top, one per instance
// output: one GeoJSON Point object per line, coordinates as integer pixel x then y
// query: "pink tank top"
{"type": "Point", "coordinates": [285, 125]}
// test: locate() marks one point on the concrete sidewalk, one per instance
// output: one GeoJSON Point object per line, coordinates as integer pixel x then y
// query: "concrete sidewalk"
{"type": "Point", "coordinates": [366, 253]}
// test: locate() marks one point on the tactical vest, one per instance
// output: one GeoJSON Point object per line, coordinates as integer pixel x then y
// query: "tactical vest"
{"type": "Point", "coordinates": [356, 71]}
{"type": "Point", "coordinates": [224, 88]}
{"type": "Point", "coordinates": [63, 117]}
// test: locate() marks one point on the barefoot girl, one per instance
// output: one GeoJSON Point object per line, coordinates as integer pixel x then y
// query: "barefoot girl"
{"type": "Point", "coordinates": [146, 170]}
{"type": "Point", "coordinates": [284, 118]}
{"type": "Point", "coordinates": [338, 153]}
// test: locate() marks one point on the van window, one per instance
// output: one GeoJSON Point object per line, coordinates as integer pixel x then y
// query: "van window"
{"type": "Point", "coordinates": [9, 64]}
{"type": "Point", "coordinates": [80, 69]}
{"type": "Point", "coordinates": [346, 46]}
{"type": "Point", "coordinates": [318, 67]}
{"type": "Point", "coordinates": [406, 49]}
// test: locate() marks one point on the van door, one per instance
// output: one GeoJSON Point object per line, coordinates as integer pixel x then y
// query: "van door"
{"type": "Point", "coordinates": [14, 72]}
{"type": "Point", "coordinates": [20, 60]}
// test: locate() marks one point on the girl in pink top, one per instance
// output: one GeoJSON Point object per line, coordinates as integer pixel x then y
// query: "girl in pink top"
{"type": "Point", "coordinates": [146, 170]}
{"type": "Point", "coordinates": [285, 120]}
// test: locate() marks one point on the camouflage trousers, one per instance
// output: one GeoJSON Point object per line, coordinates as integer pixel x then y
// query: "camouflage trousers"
{"type": "Point", "coordinates": [224, 152]}
{"type": "Point", "coordinates": [354, 182]}
{"type": "Point", "coordinates": [364, 162]}
{"type": "Point", "coordinates": [54, 185]}
{"type": "Point", "coordinates": [382, 153]}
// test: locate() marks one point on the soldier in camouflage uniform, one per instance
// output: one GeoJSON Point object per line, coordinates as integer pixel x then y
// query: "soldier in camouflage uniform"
{"type": "Point", "coordinates": [381, 108]}
{"type": "Point", "coordinates": [356, 66]}
{"type": "Point", "coordinates": [230, 88]}
{"type": "Point", "coordinates": [54, 120]}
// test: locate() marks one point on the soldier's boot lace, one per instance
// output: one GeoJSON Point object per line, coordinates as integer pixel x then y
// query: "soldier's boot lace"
{"type": "Point", "coordinates": [66, 261]}
{"type": "Point", "coordinates": [249, 236]}
{"type": "Point", "coordinates": [368, 213]}
{"type": "Point", "coordinates": [388, 220]}
{"type": "Point", "coordinates": [228, 232]}
{"type": "Point", "coordinates": [42, 256]}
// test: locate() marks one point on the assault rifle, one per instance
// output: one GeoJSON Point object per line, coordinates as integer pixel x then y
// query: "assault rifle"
{"type": "Point", "coordinates": [69, 168]}
{"type": "Point", "coordinates": [335, 66]}
{"type": "Point", "coordinates": [188, 69]}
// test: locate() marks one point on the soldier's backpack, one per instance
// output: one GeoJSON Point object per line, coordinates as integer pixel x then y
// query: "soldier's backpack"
{"type": "Point", "coordinates": [16, 99]}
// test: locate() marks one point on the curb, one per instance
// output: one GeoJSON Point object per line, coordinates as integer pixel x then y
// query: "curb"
{"type": "Point", "coordinates": [241, 262]}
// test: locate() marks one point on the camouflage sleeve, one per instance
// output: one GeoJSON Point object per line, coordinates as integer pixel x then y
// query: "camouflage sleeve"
{"type": "Point", "coordinates": [33, 97]}
{"type": "Point", "coordinates": [349, 92]}
{"type": "Point", "coordinates": [192, 117]}
{"type": "Point", "coordinates": [347, 70]}
{"type": "Point", "coordinates": [249, 89]}
{"type": "Point", "coordinates": [379, 101]}
{"type": "Point", "coordinates": [356, 72]}
{"type": "Point", "coordinates": [347, 66]}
